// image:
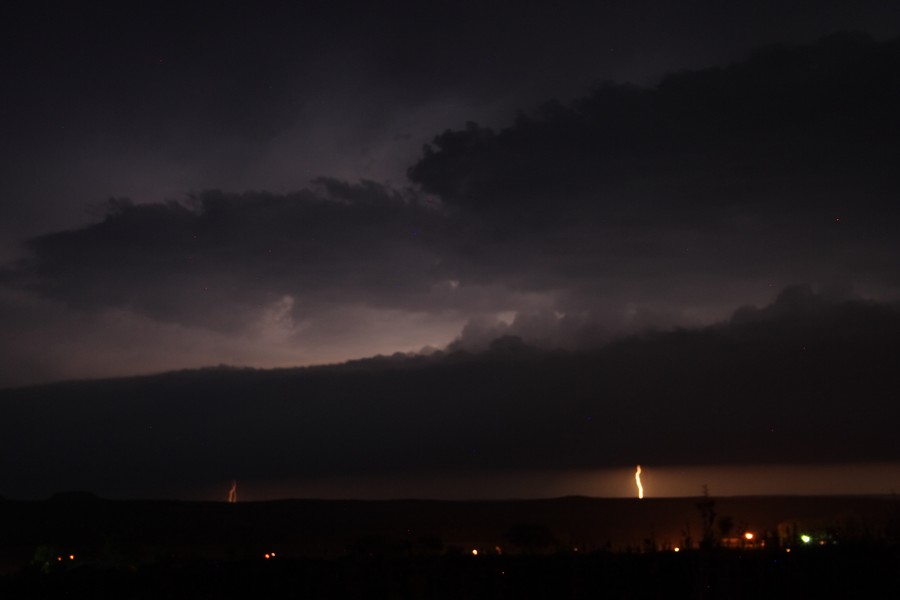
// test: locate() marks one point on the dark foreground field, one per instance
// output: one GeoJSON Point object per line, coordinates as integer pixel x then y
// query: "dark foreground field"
{"type": "Point", "coordinates": [79, 546]}
{"type": "Point", "coordinates": [832, 573]}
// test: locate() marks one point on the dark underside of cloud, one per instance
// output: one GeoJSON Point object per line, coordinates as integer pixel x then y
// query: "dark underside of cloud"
{"type": "Point", "coordinates": [213, 259]}
{"type": "Point", "coordinates": [776, 169]}
{"type": "Point", "coordinates": [786, 133]}
{"type": "Point", "coordinates": [810, 378]}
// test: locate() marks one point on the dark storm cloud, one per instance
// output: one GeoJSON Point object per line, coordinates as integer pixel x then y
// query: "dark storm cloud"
{"type": "Point", "coordinates": [632, 206]}
{"type": "Point", "coordinates": [810, 378]}
{"type": "Point", "coordinates": [779, 166]}
{"type": "Point", "coordinates": [793, 131]}
{"type": "Point", "coordinates": [149, 101]}
{"type": "Point", "coordinates": [210, 259]}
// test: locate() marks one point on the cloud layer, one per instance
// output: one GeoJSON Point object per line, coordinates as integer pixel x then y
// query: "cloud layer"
{"type": "Point", "coordinates": [810, 378]}
{"type": "Point", "coordinates": [630, 207]}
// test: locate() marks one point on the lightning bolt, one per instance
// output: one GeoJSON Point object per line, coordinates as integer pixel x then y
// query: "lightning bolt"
{"type": "Point", "coordinates": [637, 480]}
{"type": "Point", "coordinates": [232, 493]}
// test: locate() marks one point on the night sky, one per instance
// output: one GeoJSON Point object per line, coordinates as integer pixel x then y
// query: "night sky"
{"type": "Point", "coordinates": [307, 183]}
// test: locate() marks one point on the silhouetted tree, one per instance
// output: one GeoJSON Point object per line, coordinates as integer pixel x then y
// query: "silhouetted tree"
{"type": "Point", "coordinates": [726, 526]}
{"type": "Point", "coordinates": [707, 510]}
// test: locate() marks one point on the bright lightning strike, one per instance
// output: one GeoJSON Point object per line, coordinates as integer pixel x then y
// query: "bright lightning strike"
{"type": "Point", "coordinates": [637, 480]}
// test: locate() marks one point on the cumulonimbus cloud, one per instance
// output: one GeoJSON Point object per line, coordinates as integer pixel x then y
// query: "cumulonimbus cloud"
{"type": "Point", "coordinates": [660, 205]}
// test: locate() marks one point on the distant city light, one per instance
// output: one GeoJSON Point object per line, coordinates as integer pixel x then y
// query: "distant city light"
{"type": "Point", "coordinates": [676, 549]}
{"type": "Point", "coordinates": [474, 552]}
{"type": "Point", "coordinates": [805, 539]}
{"type": "Point", "coordinates": [748, 536]}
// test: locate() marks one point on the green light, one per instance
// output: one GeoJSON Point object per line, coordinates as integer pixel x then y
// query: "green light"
{"type": "Point", "coordinates": [805, 539]}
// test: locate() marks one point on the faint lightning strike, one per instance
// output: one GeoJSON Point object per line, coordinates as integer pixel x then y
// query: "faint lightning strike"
{"type": "Point", "coordinates": [232, 493]}
{"type": "Point", "coordinates": [637, 480]}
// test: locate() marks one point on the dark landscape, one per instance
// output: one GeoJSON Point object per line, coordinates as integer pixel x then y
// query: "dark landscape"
{"type": "Point", "coordinates": [78, 544]}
